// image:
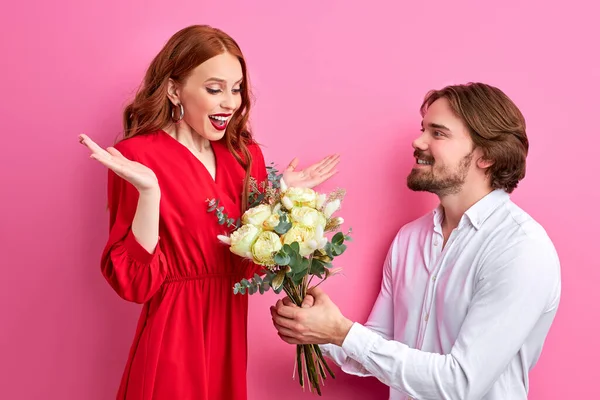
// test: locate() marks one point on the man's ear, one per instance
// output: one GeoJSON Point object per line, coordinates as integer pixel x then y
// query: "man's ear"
{"type": "Point", "coordinates": [484, 163]}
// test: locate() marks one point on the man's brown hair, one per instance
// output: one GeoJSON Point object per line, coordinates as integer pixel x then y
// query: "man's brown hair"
{"type": "Point", "coordinates": [496, 126]}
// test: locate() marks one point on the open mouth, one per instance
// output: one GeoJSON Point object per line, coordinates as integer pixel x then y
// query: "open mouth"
{"type": "Point", "coordinates": [219, 121]}
{"type": "Point", "coordinates": [420, 161]}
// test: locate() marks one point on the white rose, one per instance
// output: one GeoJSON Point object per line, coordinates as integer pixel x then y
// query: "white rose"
{"type": "Point", "coordinates": [299, 197]}
{"type": "Point", "coordinates": [265, 247]}
{"type": "Point", "coordinates": [243, 239]}
{"type": "Point", "coordinates": [257, 215]}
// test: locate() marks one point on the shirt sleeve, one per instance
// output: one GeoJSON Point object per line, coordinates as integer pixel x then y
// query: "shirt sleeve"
{"type": "Point", "coordinates": [380, 321]}
{"type": "Point", "coordinates": [133, 272]}
{"type": "Point", "coordinates": [512, 293]}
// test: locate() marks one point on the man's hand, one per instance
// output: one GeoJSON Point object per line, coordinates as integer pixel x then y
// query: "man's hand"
{"type": "Point", "coordinates": [318, 321]}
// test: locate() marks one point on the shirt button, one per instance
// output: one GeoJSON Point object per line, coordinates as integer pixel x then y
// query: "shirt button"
{"type": "Point", "coordinates": [433, 278]}
{"type": "Point", "coordinates": [426, 317]}
{"type": "Point", "coordinates": [435, 242]}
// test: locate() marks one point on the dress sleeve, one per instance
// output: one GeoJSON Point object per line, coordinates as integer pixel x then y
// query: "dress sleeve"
{"type": "Point", "coordinates": [133, 272]}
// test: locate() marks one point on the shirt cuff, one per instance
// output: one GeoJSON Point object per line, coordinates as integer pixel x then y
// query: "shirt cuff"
{"type": "Point", "coordinates": [326, 348]}
{"type": "Point", "coordinates": [359, 342]}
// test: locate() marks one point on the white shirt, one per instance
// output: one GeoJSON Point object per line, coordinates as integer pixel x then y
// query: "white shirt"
{"type": "Point", "coordinates": [462, 322]}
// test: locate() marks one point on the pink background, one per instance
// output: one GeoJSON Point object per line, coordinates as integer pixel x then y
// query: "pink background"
{"type": "Point", "coordinates": [328, 76]}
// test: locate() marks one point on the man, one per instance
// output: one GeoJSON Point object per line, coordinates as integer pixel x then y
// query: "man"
{"type": "Point", "coordinates": [469, 290]}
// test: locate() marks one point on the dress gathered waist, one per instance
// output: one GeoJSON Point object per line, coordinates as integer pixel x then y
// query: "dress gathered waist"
{"type": "Point", "coordinates": [218, 275]}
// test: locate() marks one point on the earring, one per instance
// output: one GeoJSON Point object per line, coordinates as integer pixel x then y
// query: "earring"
{"type": "Point", "coordinates": [181, 112]}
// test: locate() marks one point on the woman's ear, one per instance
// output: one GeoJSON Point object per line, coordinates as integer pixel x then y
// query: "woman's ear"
{"type": "Point", "coordinates": [173, 92]}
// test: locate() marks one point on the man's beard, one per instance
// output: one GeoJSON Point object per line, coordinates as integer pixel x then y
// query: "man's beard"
{"type": "Point", "coordinates": [441, 181]}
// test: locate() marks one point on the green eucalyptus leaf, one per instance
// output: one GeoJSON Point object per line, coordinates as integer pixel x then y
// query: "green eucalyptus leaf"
{"type": "Point", "coordinates": [297, 279]}
{"type": "Point", "coordinates": [282, 259]}
{"type": "Point", "coordinates": [329, 250]}
{"type": "Point", "coordinates": [295, 262]}
{"type": "Point", "coordinates": [337, 239]}
{"type": "Point", "coordinates": [317, 268]}
{"type": "Point", "coordinates": [304, 264]}
{"type": "Point", "coordinates": [284, 224]}
{"type": "Point", "coordinates": [295, 247]}
{"type": "Point", "coordinates": [266, 286]}
{"type": "Point", "coordinates": [339, 249]}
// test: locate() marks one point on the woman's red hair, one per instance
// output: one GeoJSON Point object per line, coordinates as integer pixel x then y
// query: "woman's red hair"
{"type": "Point", "coordinates": [150, 110]}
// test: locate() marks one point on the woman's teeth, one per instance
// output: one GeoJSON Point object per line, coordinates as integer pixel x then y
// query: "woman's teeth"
{"type": "Point", "coordinates": [218, 118]}
{"type": "Point", "coordinates": [219, 121]}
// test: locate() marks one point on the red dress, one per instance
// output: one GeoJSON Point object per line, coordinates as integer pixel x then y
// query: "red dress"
{"type": "Point", "coordinates": [190, 342]}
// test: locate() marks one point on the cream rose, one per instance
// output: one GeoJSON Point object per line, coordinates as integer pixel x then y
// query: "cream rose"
{"type": "Point", "coordinates": [257, 215]}
{"type": "Point", "coordinates": [271, 222]}
{"type": "Point", "coordinates": [304, 235]}
{"type": "Point", "coordinates": [308, 216]}
{"type": "Point", "coordinates": [298, 197]}
{"type": "Point", "coordinates": [265, 247]}
{"type": "Point", "coordinates": [243, 239]}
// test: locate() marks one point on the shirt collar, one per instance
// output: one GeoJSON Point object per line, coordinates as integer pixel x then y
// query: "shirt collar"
{"type": "Point", "coordinates": [438, 218]}
{"type": "Point", "coordinates": [478, 212]}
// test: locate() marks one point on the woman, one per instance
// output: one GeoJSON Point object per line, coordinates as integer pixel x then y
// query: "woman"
{"type": "Point", "coordinates": [186, 141]}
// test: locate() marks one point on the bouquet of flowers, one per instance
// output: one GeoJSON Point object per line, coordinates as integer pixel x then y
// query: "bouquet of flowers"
{"type": "Point", "coordinates": [293, 234]}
